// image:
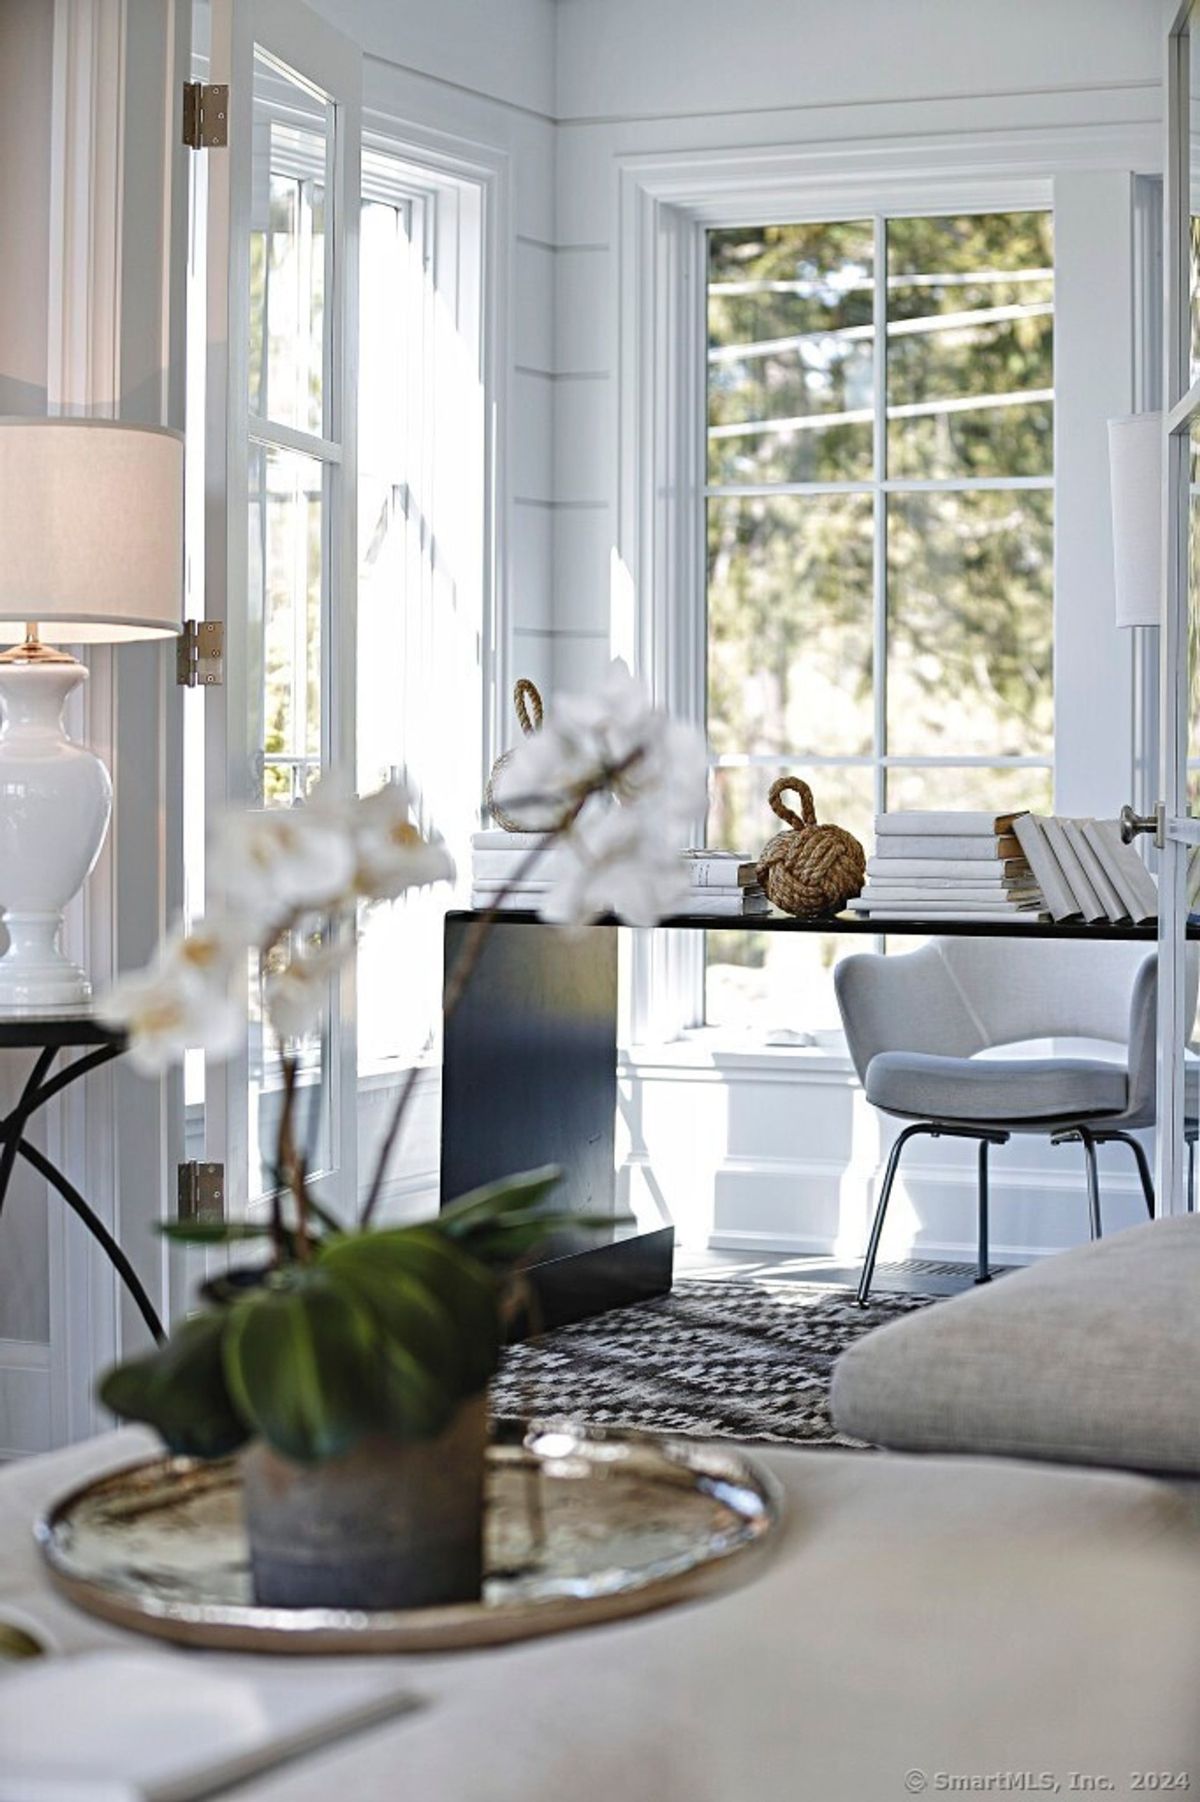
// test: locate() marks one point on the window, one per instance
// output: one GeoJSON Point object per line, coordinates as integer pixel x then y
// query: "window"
{"type": "Point", "coordinates": [879, 539]}
{"type": "Point", "coordinates": [421, 533]}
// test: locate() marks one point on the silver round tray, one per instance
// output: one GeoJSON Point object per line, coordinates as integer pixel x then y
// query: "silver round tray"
{"type": "Point", "coordinates": [583, 1525]}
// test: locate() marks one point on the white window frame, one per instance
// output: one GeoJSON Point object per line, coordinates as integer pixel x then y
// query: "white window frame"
{"type": "Point", "coordinates": [665, 205]}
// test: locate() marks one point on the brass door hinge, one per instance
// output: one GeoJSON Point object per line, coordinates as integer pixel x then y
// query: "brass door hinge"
{"type": "Point", "coordinates": [200, 654]}
{"type": "Point", "coordinates": [206, 115]}
{"type": "Point", "coordinates": [201, 1191]}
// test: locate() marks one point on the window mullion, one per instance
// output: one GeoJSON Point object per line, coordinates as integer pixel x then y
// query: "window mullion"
{"type": "Point", "coordinates": [879, 575]}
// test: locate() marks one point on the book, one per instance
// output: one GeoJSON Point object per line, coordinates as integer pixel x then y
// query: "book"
{"type": "Point", "coordinates": [496, 839]}
{"type": "Point", "coordinates": [130, 1725]}
{"type": "Point", "coordinates": [867, 904]}
{"type": "Point", "coordinates": [1032, 916]}
{"type": "Point", "coordinates": [495, 865]}
{"type": "Point", "coordinates": [733, 905]}
{"type": "Point", "coordinates": [1124, 869]}
{"type": "Point", "coordinates": [1045, 865]}
{"type": "Point", "coordinates": [1111, 902]}
{"type": "Point", "coordinates": [969, 847]}
{"type": "Point", "coordinates": [521, 904]}
{"type": "Point", "coordinates": [974, 894]}
{"type": "Point", "coordinates": [720, 870]}
{"type": "Point", "coordinates": [950, 869]}
{"type": "Point", "coordinates": [954, 825]}
{"type": "Point", "coordinates": [1090, 907]}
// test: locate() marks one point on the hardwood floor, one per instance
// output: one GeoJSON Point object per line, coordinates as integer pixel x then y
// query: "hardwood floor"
{"type": "Point", "coordinates": [912, 1276]}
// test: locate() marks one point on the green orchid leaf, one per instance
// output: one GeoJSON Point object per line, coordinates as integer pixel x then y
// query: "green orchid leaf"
{"type": "Point", "coordinates": [462, 1287]}
{"type": "Point", "coordinates": [212, 1232]}
{"type": "Point", "coordinates": [374, 1272]}
{"type": "Point", "coordinates": [302, 1363]}
{"type": "Point", "coordinates": [512, 1192]}
{"type": "Point", "coordinates": [180, 1389]}
{"type": "Point", "coordinates": [413, 1404]}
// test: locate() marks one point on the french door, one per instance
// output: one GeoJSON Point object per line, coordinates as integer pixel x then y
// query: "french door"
{"type": "Point", "coordinates": [279, 541]}
{"type": "Point", "coordinates": [1179, 822]}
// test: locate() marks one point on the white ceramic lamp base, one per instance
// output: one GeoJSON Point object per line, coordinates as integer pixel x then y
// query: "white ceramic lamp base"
{"type": "Point", "coordinates": [55, 802]}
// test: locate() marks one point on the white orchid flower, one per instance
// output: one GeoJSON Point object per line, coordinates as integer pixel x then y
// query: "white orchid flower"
{"type": "Point", "coordinates": [297, 995]}
{"type": "Point", "coordinates": [211, 951]}
{"type": "Point", "coordinates": [623, 864]}
{"type": "Point", "coordinates": [616, 729]}
{"type": "Point", "coordinates": [269, 865]}
{"type": "Point", "coordinates": [391, 855]}
{"type": "Point", "coordinates": [169, 1009]}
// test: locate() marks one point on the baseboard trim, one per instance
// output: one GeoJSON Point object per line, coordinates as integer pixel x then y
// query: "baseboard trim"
{"type": "Point", "coordinates": [935, 1251]}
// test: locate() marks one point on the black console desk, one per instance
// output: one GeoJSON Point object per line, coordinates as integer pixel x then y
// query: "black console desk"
{"type": "Point", "coordinates": [49, 1034]}
{"type": "Point", "coordinates": [530, 1078]}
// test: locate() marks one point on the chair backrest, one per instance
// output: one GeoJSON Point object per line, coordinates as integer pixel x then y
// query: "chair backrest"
{"type": "Point", "coordinates": [1033, 989]}
{"type": "Point", "coordinates": [959, 996]}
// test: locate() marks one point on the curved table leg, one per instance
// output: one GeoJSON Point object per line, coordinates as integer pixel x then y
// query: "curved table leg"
{"type": "Point", "coordinates": [99, 1232]}
{"type": "Point", "coordinates": [13, 1125]}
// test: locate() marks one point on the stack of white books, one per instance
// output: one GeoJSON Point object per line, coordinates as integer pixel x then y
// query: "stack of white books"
{"type": "Point", "coordinates": [723, 885]}
{"type": "Point", "coordinates": [500, 859]}
{"type": "Point", "coordinates": [1085, 871]}
{"type": "Point", "coordinates": [506, 874]}
{"type": "Point", "coordinates": [941, 866]}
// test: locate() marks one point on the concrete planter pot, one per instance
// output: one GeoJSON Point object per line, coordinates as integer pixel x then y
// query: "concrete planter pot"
{"type": "Point", "coordinates": [392, 1524]}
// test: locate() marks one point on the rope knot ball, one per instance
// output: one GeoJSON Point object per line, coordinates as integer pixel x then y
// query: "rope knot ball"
{"type": "Point", "coordinates": [810, 870]}
{"type": "Point", "coordinates": [528, 704]}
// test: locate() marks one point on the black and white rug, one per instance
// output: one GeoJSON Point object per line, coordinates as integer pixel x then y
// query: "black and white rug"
{"type": "Point", "coordinates": [716, 1360]}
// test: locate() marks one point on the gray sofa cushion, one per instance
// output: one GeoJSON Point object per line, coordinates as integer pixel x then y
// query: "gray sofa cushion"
{"type": "Point", "coordinates": [915, 1083]}
{"type": "Point", "coordinates": [1091, 1357]}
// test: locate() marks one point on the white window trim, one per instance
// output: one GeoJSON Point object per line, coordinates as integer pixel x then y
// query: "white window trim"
{"type": "Point", "coordinates": [458, 159]}
{"type": "Point", "coordinates": [664, 206]}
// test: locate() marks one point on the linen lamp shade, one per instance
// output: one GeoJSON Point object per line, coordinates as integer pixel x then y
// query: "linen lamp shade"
{"type": "Point", "coordinates": [1135, 457]}
{"type": "Point", "coordinates": [91, 530]}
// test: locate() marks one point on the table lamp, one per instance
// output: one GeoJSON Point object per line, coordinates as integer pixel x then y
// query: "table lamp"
{"type": "Point", "coordinates": [1135, 460]}
{"type": "Point", "coordinates": [91, 552]}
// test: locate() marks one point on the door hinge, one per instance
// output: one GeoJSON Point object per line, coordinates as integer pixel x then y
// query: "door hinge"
{"type": "Point", "coordinates": [200, 654]}
{"type": "Point", "coordinates": [206, 115]}
{"type": "Point", "coordinates": [201, 1191]}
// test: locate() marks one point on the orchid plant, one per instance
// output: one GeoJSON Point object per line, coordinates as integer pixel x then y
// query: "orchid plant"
{"type": "Point", "coordinates": [343, 1329]}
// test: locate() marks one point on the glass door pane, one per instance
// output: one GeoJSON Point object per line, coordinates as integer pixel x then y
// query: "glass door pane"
{"type": "Point", "coordinates": [280, 211]}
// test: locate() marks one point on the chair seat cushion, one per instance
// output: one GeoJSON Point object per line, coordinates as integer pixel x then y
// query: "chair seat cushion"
{"type": "Point", "coordinates": [1089, 1357]}
{"type": "Point", "coordinates": [922, 1086]}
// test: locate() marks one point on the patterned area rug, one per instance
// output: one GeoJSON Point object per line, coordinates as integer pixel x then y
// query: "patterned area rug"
{"type": "Point", "coordinates": [713, 1360]}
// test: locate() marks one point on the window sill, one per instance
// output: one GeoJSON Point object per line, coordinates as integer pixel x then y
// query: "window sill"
{"type": "Point", "coordinates": [726, 1052]}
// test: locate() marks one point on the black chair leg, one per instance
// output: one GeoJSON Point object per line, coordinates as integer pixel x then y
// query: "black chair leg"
{"type": "Point", "coordinates": [885, 1195]}
{"type": "Point", "coordinates": [982, 1271]}
{"type": "Point", "coordinates": [1093, 1180]}
{"type": "Point", "coordinates": [1143, 1165]}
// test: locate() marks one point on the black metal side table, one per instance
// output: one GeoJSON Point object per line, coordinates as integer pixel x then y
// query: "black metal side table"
{"type": "Point", "coordinates": [48, 1035]}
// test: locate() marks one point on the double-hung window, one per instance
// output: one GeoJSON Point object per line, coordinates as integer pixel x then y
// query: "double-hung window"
{"type": "Point", "coordinates": [880, 539]}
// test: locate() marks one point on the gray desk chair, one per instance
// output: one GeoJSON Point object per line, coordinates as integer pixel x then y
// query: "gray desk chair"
{"type": "Point", "coordinates": [919, 1028]}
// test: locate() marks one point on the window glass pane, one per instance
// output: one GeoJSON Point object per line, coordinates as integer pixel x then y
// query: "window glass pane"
{"type": "Point", "coordinates": [975, 787]}
{"type": "Point", "coordinates": [1192, 41]}
{"type": "Point", "coordinates": [789, 624]}
{"type": "Point", "coordinates": [292, 137]}
{"type": "Point", "coordinates": [1193, 615]}
{"type": "Point", "coordinates": [970, 345]}
{"type": "Point", "coordinates": [791, 353]}
{"type": "Point", "coordinates": [421, 501]}
{"type": "Point", "coordinates": [313, 1098]}
{"type": "Point", "coordinates": [285, 594]}
{"type": "Point", "coordinates": [970, 623]}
